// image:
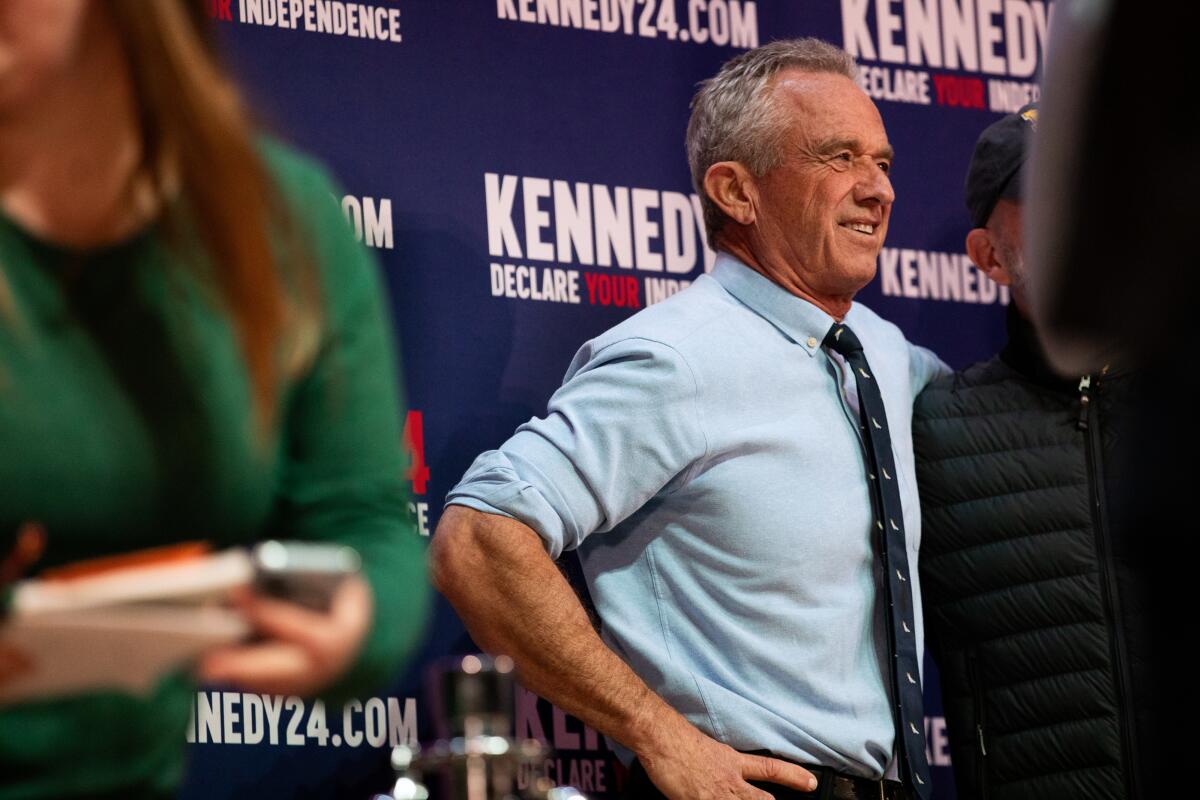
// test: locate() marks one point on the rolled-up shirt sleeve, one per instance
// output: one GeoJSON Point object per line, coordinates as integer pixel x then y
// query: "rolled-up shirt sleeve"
{"type": "Point", "coordinates": [625, 423]}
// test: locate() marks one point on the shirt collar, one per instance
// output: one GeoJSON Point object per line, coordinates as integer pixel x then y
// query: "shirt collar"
{"type": "Point", "coordinates": [795, 317]}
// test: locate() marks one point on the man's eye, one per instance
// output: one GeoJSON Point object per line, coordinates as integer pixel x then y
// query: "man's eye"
{"type": "Point", "coordinates": [841, 161]}
{"type": "Point", "coordinates": [886, 166]}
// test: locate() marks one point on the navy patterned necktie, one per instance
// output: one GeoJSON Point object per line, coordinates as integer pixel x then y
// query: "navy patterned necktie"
{"type": "Point", "coordinates": [889, 524]}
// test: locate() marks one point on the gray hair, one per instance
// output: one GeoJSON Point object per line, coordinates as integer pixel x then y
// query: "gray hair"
{"type": "Point", "coordinates": [735, 117]}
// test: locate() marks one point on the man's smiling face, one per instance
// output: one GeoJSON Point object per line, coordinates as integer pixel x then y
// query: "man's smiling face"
{"type": "Point", "coordinates": [823, 211]}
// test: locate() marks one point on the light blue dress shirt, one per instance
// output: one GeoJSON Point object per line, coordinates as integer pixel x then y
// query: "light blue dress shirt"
{"type": "Point", "coordinates": [704, 456]}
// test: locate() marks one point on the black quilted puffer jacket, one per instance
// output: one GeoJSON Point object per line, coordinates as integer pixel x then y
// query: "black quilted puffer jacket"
{"type": "Point", "coordinates": [1032, 611]}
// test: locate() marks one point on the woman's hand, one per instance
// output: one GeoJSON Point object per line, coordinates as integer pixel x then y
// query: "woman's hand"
{"type": "Point", "coordinates": [302, 651]}
{"type": "Point", "coordinates": [12, 663]}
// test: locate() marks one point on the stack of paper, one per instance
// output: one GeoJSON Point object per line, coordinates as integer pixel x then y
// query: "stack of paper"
{"type": "Point", "coordinates": [120, 626]}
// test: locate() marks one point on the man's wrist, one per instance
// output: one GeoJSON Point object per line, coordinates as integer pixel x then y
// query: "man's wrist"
{"type": "Point", "coordinates": [654, 726]}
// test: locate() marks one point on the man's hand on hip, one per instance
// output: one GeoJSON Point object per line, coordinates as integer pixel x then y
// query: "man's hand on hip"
{"type": "Point", "coordinates": [696, 767]}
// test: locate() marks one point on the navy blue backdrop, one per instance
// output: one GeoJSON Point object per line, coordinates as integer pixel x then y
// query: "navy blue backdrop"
{"type": "Point", "coordinates": [518, 168]}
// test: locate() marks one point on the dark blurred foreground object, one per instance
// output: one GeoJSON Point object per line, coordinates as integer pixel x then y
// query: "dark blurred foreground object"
{"type": "Point", "coordinates": [1113, 186]}
{"type": "Point", "coordinates": [476, 757]}
{"type": "Point", "coordinates": [1115, 280]}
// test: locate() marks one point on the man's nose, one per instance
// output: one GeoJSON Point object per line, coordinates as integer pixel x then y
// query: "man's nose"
{"type": "Point", "coordinates": [874, 185]}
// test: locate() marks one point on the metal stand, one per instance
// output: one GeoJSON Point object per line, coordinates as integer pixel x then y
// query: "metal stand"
{"type": "Point", "coordinates": [477, 758]}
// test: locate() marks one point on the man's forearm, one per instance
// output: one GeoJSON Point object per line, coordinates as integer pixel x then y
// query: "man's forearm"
{"type": "Point", "coordinates": [514, 601]}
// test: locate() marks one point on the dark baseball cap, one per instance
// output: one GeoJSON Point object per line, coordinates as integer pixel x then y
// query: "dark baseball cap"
{"type": "Point", "coordinates": [996, 163]}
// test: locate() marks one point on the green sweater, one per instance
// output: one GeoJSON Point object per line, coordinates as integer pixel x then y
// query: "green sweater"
{"type": "Point", "coordinates": [125, 423]}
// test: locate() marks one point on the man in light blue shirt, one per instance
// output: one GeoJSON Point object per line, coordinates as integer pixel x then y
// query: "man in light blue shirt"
{"type": "Point", "coordinates": [705, 458]}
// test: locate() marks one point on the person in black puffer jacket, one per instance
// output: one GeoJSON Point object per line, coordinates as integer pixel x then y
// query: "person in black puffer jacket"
{"type": "Point", "coordinates": [1032, 594]}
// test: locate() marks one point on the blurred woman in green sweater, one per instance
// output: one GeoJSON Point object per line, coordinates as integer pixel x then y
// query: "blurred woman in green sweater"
{"type": "Point", "coordinates": [192, 346]}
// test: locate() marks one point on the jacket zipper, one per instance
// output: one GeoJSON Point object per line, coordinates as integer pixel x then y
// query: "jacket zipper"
{"type": "Point", "coordinates": [1089, 423]}
{"type": "Point", "coordinates": [977, 697]}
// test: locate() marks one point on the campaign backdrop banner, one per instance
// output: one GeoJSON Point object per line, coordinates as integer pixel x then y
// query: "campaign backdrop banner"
{"type": "Point", "coordinates": [517, 167]}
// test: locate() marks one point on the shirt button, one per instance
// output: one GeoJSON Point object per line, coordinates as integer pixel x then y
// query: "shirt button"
{"type": "Point", "coordinates": [812, 341]}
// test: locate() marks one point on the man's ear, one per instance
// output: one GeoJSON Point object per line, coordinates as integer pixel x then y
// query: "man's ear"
{"type": "Point", "coordinates": [982, 250]}
{"type": "Point", "coordinates": [731, 186]}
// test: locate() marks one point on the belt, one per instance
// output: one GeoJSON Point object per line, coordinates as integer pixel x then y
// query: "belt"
{"type": "Point", "coordinates": [834, 785]}
{"type": "Point", "coordinates": [831, 785]}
